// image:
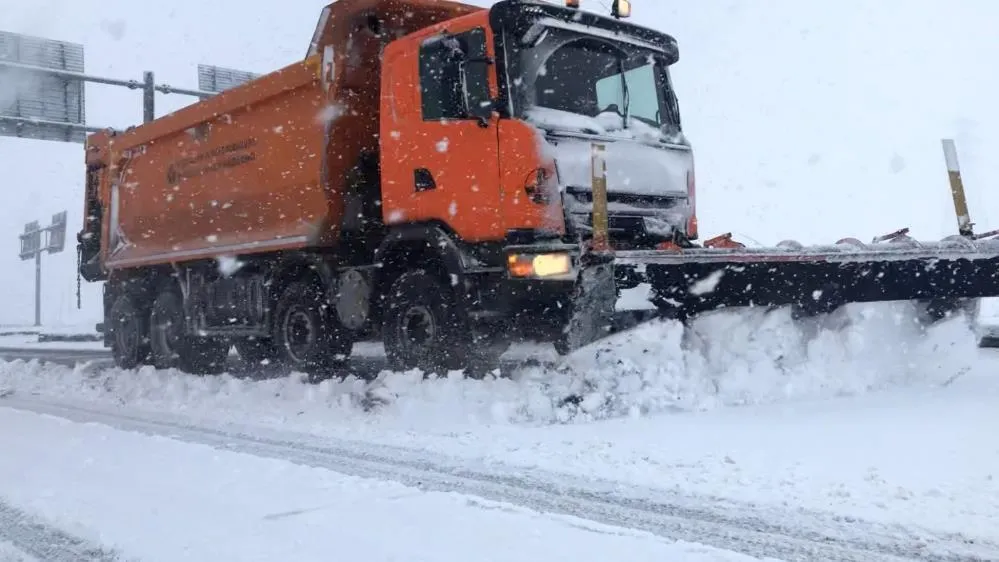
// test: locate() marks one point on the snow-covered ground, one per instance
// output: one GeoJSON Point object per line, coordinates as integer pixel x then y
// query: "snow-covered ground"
{"type": "Point", "coordinates": [182, 501]}
{"type": "Point", "coordinates": [10, 553]}
{"type": "Point", "coordinates": [861, 417]}
{"type": "Point", "coordinates": [54, 330]}
{"type": "Point", "coordinates": [31, 342]}
{"type": "Point", "coordinates": [65, 337]}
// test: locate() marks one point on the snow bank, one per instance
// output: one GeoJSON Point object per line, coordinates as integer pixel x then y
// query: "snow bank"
{"type": "Point", "coordinates": [726, 359]}
{"type": "Point", "coordinates": [70, 330]}
{"type": "Point", "coordinates": [10, 553]}
{"type": "Point", "coordinates": [757, 357]}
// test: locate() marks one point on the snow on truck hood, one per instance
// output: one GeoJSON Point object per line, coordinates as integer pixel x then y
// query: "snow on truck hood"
{"type": "Point", "coordinates": [634, 164]}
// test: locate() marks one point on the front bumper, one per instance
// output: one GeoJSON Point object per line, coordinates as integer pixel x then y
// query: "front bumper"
{"type": "Point", "coordinates": [531, 307]}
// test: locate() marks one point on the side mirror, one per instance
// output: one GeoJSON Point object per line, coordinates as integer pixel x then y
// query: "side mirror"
{"type": "Point", "coordinates": [475, 89]}
{"type": "Point", "coordinates": [328, 66]}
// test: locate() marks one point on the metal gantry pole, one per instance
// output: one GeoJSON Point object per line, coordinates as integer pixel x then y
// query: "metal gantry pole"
{"type": "Point", "coordinates": [148, 97]}
{"type": "Point", "coordinates": [38, 288]}
{"type": "Point", "coordinates": [148, 86]}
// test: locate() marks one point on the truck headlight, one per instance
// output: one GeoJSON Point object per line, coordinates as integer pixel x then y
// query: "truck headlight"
{"type": "Point", "coordinates": [539, 265]}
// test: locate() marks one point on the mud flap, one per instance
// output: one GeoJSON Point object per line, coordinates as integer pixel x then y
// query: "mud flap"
{"type": "Point", "coordinates": [593, 304]}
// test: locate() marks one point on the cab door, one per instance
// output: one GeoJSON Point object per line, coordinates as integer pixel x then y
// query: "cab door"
{"type": "Point", "coordinates": [445, 158]}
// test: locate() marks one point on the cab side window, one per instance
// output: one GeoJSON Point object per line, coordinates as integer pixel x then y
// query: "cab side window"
{"type": "Point", "coordinates": [443, 62]}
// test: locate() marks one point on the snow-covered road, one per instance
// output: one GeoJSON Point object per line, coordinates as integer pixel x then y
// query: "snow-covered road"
{"type": "Point", "coordinates": [159, 472]}
{"type": "Point", "coordinates": [158, 498]}
{"type": "Point", "coordinates": [845, 443]}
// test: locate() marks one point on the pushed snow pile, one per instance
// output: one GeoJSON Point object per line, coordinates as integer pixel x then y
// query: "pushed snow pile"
{"type": "Point", "coordinates": [753, 357]}
{"type": "Point", "coordinates": [725, 359]}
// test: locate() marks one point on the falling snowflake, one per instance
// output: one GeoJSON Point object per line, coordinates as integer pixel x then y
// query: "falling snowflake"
{"type": "Point", "coordinates": [330, 113]}
{"type": "Point", "coordinates": [229, 265]}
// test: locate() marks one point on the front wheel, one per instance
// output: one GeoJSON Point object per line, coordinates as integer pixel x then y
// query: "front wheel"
{"type": "Point", "coordinates": [424, 328]}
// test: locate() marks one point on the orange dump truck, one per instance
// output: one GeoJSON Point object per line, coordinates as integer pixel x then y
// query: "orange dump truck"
{"type": "Point", "coordinates": [449, 178]}
{"type": "Point", "coordinates": [382, 184]}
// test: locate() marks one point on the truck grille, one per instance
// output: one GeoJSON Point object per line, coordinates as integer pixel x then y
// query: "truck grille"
{"type": "Point", "coordinates": [633, 221]}
{"type": "Point", "coordinates": [650, 202]}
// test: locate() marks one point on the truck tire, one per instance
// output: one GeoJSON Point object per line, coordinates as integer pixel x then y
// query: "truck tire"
{"type": "Point", "coordinates": [307, 336]}
{"type": "Point", "coordinates": [129, 334]}
{"type": "Point", "coordinates": [173, 348]}
{"type": "Point", "coordinates": [423, 328]}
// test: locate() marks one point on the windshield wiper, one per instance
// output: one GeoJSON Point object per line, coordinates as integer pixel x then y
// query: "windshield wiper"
{"type": "Point", "coordinates": [626, 92]}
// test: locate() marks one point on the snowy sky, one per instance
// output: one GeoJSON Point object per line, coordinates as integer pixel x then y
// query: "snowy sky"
{"type": "Point", "coordinates": [810, 120]}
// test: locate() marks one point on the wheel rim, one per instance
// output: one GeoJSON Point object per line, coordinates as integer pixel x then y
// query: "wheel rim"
{"type": "Point", "coordinates": [299, 334]}
{"type": "Point", "coordinates": [418, 329]}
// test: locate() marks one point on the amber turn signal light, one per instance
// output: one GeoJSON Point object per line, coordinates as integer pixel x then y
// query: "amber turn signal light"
{"type": "Point", "coordinates": [621, 9]}
{"type": "Point", "coordinates": [539, 265]}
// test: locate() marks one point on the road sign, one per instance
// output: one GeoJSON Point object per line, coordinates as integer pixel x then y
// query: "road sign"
{"type": "Point", "coordinates": [57, 234]}
{"type": "Point", "coordinates": [37, 101]}
{"type": "Point", "coordinates": [31, 248]}
{"type": "Point", "coordinates": [42, 88]}
{"type": "Point", "coordinates": [217, 79]}
{"type": "Point", "coordinates": [31, 240]}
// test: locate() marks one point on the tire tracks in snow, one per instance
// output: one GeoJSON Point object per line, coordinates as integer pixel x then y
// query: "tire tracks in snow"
{"type": "Point", "coordinates": [44, 542]}
{"type": "Point", "coordinates": [793, 535]}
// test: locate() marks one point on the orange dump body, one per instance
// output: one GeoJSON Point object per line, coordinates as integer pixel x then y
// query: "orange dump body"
{"type": "Point", "coordinates": [261, 167]}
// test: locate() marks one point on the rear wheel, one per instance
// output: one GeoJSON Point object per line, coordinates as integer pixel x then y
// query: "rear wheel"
{"type": "Point", "coordinates": [424, 328]}
{"type": "Point", "coordinates": [307, 335]}
{"type": "Point", "coordinates": [173, 347]}
{"type": "Point", "coordinates": [128, 326]}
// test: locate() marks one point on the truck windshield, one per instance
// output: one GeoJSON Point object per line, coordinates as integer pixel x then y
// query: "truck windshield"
{"type": "Point", "coordinates": [608, 82]}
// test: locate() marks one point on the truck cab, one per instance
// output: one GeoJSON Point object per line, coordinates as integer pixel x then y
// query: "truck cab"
{"type": "Point", "coordinates": [489, 120]}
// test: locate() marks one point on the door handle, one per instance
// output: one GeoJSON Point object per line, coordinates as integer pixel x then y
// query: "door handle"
{"type": "Point", "coordinates": [423, 180]}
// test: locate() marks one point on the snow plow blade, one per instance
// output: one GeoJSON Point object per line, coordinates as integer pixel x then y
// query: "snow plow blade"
{"type": "Point", "coordinates": [817, 279]}
{"type": "Point", "coordinates": [687, 279]}
{"type": "Point", "coordinates": [593, 303]}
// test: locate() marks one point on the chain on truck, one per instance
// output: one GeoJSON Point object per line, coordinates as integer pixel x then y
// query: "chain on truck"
{"type": "Point", "coordinates": [448, 179]}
